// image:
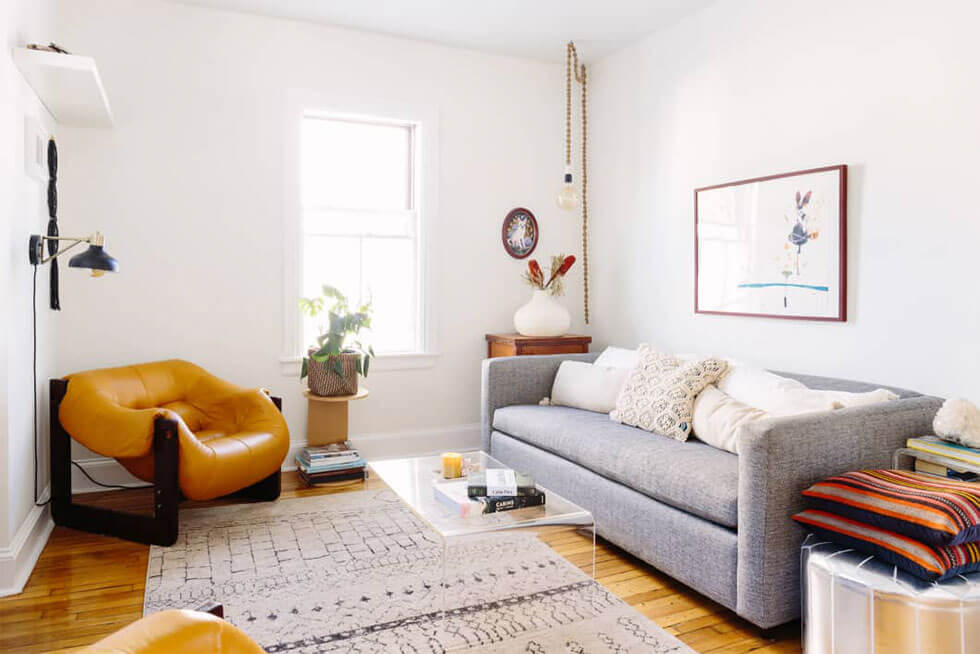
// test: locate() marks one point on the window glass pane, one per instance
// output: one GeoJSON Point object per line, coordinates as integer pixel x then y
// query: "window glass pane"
{"type": "Point", "coordinates": [389, 280]}
{"type": "Point", "coordinates": [380, 269]}
{"type": "Point", "coordinates": [359, 223]}
{"type": "Point", "coordinates": [356, 165]}
{"type": "Point", "coordinates": [329, 260]}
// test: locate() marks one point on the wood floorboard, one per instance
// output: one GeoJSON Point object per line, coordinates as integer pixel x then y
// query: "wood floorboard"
{"type": "Point", "coordinates": [86, 586]}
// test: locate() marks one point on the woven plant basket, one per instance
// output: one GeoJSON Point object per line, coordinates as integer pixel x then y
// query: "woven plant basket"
{"type": "Point", "coordinates": [325, 382]}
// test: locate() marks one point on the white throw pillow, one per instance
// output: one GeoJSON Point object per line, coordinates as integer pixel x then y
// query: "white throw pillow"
{"type": "Point", "coordinates": [846, 399]}
{"type": "Point", "coordinates": [618, 357]}
{"type": "Point", "coordinates": [587, 386]}
{"type": "Point", "coordinates": [719, 418]}
{"type": "Point", "coordinates": [773, 394]}
{"type": "Point", "coordinates": [659, 392]}
{"type": "Point", "coordinates": [781, 396]}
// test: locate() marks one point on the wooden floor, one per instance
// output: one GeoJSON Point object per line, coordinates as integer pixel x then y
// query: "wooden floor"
{"type": "Point", "coordinates": [86, 586]}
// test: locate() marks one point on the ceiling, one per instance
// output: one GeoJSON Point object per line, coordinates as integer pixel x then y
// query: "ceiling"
{"type": "Point", "coordinates": [537, 29]}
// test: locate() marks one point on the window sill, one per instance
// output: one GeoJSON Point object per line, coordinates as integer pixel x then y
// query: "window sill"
{"type": "Point", "coordinates": [291, 366]}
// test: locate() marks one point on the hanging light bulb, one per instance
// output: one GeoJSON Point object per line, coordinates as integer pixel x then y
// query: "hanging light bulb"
{"type": "Point", "coordinates": [568, 197]}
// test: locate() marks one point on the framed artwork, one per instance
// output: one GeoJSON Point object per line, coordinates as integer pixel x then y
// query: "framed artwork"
{"type": "Point", "coordinates": [773, 246]}
{"type": "Point", "coordinates": [519, 233]}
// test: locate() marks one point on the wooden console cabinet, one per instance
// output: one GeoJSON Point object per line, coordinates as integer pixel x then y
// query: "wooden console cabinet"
{"type": "Point", "coordinates": [510, 345]}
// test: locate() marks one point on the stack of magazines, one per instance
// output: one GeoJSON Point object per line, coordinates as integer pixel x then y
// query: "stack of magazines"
{"type": "Point", "coordinates": [946, 459]}
{"type": "Point", "coordinates": [328, 463]}
{"type": "Point", "coordinates": [489, 492]}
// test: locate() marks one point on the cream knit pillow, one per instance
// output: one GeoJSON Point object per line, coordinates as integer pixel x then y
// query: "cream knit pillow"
{"type": "Point", "coordinates": [660, 391]}
{"type": "Point", "coordinates": [718, 418]}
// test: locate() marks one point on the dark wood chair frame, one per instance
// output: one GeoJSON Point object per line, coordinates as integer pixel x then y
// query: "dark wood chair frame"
{"type": "Point", "coordinates": [161, 527]}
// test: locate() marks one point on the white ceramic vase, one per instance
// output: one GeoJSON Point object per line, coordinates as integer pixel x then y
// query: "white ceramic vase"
{"type": "Point", "coordinates": [542, 316]}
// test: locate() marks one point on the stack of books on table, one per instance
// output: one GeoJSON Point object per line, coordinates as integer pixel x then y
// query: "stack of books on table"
{"type": "Point", "coordinates": [506, 490]}
{"type": "Point", "coordinates": [946, 459]}
{"type": "Point", "coordinates": [326, 463]}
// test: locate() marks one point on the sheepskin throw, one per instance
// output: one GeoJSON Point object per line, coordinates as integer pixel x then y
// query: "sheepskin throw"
{"type": "Point", "coordinates": [958, 421]}
{"type": "Point", "coordinates": [660, 391]}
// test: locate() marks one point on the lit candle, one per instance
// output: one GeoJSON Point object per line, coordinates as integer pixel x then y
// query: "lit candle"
{"type": "Point", "coordinates": [452, 465]}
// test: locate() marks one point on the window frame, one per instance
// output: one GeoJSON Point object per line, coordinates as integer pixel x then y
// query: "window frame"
{"type": "Point", "coordinates": [301, 104]}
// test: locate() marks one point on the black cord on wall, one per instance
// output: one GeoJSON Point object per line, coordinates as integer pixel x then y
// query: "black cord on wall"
{"type": "Point", "coordinates": [34, 326]}
{"type": "Point", "coordinates": [34, 362]}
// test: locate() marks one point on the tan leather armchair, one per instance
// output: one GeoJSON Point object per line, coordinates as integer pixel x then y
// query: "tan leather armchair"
{"type": "Point", "coordinates": [168, 632]}
{"type": "Point", "coordinates": [170, 423]}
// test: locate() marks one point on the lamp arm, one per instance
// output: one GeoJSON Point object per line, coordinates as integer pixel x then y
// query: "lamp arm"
{"type": "Point", "coordinates": [60, 251]}
{"type": "Point", "coordinates": [80, 239]}
{"type": "Point", "coordinates": [37, 245]}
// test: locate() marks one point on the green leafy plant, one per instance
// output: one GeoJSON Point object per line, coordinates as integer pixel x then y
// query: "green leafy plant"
{"type": "Point", "coordinates": [339, 333]}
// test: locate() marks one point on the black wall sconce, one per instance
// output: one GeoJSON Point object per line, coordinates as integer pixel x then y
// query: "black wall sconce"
{"type": "Point", "coordinates": [94, 258]}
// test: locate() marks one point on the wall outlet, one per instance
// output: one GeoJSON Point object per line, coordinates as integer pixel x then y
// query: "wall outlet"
{"type": "Point", "coordinates": [35, 149]}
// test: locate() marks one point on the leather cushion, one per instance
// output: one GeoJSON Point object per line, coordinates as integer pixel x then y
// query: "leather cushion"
{"type": "Point", "coordinates": [167, 632]}
{"type": "Point", "coordinates": [244, 438]}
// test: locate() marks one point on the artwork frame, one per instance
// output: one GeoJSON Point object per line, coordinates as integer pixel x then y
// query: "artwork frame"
{"type": "Point", "coordinates": [753, 295]}
{"type": "Point", "coordinates": [515, 226]}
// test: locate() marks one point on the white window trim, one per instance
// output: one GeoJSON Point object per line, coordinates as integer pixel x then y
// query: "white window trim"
{"type": "Point", "coordinates": [299, 103]}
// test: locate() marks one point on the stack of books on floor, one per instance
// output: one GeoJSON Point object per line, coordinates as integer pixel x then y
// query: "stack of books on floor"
{"type": "Point", "coordinates": [507, 490]}
{"type": "Point", "coordinates": [328, 463]}
{"type": "Point", "coordinates": [946, 459]}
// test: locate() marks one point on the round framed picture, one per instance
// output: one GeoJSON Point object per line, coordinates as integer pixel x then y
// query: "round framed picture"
{"type": "Point", "coordinates": [519, 233]}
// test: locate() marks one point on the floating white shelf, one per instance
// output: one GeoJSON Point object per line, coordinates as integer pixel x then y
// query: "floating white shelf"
{"type": "Point", "coordinates": [68, 85]}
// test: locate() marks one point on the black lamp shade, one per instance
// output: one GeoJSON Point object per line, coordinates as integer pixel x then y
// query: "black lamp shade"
{"type": "Point", "coordinates": [96, 258]}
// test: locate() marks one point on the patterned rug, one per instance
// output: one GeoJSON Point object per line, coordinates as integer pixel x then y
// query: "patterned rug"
{"type": "Point", "coordinates": [359, 572]}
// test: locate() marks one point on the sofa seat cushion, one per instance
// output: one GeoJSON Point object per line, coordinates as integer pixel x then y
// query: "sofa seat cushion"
{"type": "Point", "coordinates": [690, 476]}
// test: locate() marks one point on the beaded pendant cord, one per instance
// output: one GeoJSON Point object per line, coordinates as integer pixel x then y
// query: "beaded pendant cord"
{"type": "Point", "coordinates": [571, 64]}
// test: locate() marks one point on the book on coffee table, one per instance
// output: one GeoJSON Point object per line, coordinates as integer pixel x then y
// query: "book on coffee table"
{"type": "Point", "coordinates": [454, 495]}
{"type": "Point", "coordinates": [503, 483]}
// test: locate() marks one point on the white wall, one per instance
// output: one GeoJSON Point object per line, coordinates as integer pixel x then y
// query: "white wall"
{"type": "Point", "coordinates": [753, 87]}
{"type": "Point", "coordinates": [188, 189]}
{"type": "Point", "coordinates": [24, 211]}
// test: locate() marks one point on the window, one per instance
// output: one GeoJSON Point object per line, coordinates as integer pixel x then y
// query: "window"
{"type": "Point", "coordinates": [360, 222]}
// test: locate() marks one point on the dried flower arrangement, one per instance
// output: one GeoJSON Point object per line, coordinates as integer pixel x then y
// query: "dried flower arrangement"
{"type": "Point", "coordinates": [560, 264]}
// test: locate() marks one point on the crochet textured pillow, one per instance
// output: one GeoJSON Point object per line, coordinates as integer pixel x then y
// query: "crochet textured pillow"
{"type": "Point", "coordinates": [660, 391]}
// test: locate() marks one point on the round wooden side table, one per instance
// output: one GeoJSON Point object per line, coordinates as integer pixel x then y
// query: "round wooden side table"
{"type": "Point", "coordinates": [326, 417]}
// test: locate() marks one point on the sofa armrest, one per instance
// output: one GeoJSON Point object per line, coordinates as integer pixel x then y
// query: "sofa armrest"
{"type": "Point", "coordinates": [518, 380]}
{"type": "Point", "coordinates": [781, 457]}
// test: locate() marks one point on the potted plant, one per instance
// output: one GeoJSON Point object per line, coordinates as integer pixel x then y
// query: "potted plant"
{"type": "Point", "coordinates": [335, 361]}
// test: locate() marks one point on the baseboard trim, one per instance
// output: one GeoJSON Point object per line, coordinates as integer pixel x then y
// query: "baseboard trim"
{"type": "Point", "coordinates": [377, 445]}
{"type": "Point", "coordinates": [414, 442]}
{"type": "Point", "coordinates": [18, 560]}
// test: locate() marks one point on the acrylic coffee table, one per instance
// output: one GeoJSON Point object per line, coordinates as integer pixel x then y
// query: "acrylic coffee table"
{"type": "Point", "coordinates": [412, 480]}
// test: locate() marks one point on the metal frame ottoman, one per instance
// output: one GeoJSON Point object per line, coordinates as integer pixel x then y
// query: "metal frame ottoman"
{"type": "Point", "coordinates": [855, 603]}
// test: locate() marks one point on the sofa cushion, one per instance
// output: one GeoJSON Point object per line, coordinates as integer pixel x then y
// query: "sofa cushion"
{"type": "Point", "coordinates": [934, 510]}
{"type": "Point", "coordinates": [690, 476]}
{"type": "Point", "coordinates": [929, 562]}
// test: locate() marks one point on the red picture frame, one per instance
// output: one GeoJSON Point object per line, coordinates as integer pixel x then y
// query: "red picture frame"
{"type": "Point", "coordinates": [842, 247]}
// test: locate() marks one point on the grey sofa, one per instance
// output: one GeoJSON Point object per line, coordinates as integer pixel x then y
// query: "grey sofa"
{"type": "Point", "coordinates": [718, 522]}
